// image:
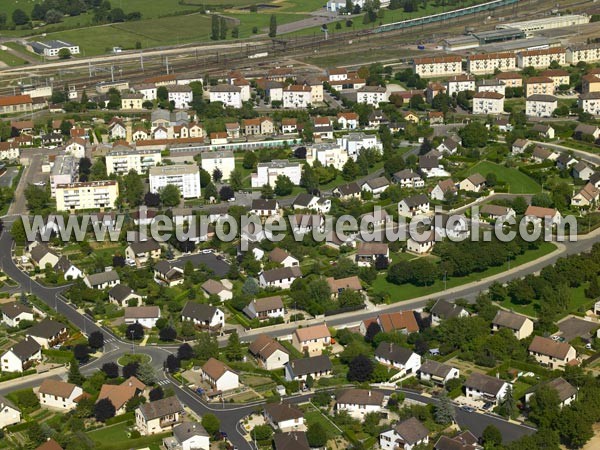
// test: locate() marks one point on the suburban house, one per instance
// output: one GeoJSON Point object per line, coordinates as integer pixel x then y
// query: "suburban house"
{"type": "Point", "coordinates": [215, 287]}
{"type": "Point", "coordinates": [56, 394]}
{"type": "Point", "coordinates": [280, 256]}
{"type": "Point", "coordinates": [484, 387]}
{"type": "Point", "coordinates": [188, 436]}
{"type": "Point", "coordinates": [408, 179]}
{"type": "Point", "coordinates": [158, 416]}
{"type": "Point", "coordinates": [519, 146]}
{"type": "Point", "coordinates": [567, 393]}
{"type": "Point", "coordinates": [448, 145]}
{"type": "Point", "coordinates": [41, 255]}
{"type": "Point", "coordinates": [292, 440]}
{"type": "Point", "coordinates": [168, 275]}
{"type": "Point", "coordinates": [443, 189]}
{"type": "Point", "coordinates": [315, 366]}
{"type": "Point", "coordinates": [68, 269]}
{"type": "Point", "coordinates": [122, 295]}
{"type": "Point", "coordinates": [21, 356]}
{"type": "Point", "coordinates": [421, 244]}
{"type": "Point", "coordinates": [120, 394]}
{"type": "Point", "coordinates": [265, 308]}
{"type": "Point", "coordinates": [587, 196]}
{"type": "Point", "coordinates": [146, 316]}
{"type": "Point", "coordinates": [220, 376]}
{"type": "Point", "coordinates": [368, 252]}
{"type": "Point", "coordinates": [437, 372]}
{"type": "Point", "coordinates": [13, 313]}
{"type": "Point", "coordinates": [521, 326]}
{"type": "Point", "coordinates": [544, 131]}
{"type": "Point", "coordinates": [48, 333]}
{"type": "Point", "coordinates": [540, 215]}
{"type": "Point", "coordinates": [284, 416]}
{"type": "Point", "coordinates": [473, 183]}
{"type": "Point", "coordinates": [463, 441]}
{"type": "Point", "coordinates": [552, 354]}
{"type": "Point", "coordinates": [565, 161]}
{"type": "Point", "coordinates": [541, 154]}
{"type": "Point", "coordinates": [347, 191]}
{"type": "Point", "coordinates": [265, 207]}
{"type": "Point", "coordinates": [414, 206]}
{"type": "Point", "coordinates": [9, 413]}
{"type": "Point", "coordinates": [142, 252]}
{"type": "Point", "coordinates": [497, 212]}
{"type": "Point", "coordinates": [282, 277]}
{"type": "Point", "coordinates": [402, 321]}
{"type": "Point", "coordinates": [404, 436]}
{"type": "Point", "coordinates": [398, 357]}
{"type": "Point", "coordinates": [376, 186]}
{"type": "Point", "coordinates": [443, 310]}
{"type": "Point", "coordinates": [582, 171]}
{"type": "Point", "coordinates": [269, 353]}
{"type": "Point", "coordinates": [359, 402]}
{"type": "Point", "coordinates": [583, 130]}
{"type": "Point", "coordinates": [102, 280]}
{"type": "Point", "coordinates": [203, 315]}
{"type": "Point", "coordinates": [338, 286]}
{"type": "Point", "coordinates": [311, 340]}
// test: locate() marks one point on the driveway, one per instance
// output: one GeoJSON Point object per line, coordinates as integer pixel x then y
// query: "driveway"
{"type": "Point", "coordinates": [573, 327]}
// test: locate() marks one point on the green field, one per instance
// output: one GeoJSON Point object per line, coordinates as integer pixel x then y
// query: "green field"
{"type": "Point", "coordinates": [408, 291]}
{"type": "Point", "coordinates": [9, 59]}
{"type": "Point", "coordinates": [578, 301]}
{"type": "Point", "coordinates": [516, 181]}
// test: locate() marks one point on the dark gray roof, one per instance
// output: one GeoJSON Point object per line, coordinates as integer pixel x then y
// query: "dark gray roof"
{"type": "Point", "coordinates": [264, 204]}
{"type": "Point", "coordinates": [39, 251]}
{"type": "Point", "coordinates": [484, 383]}
{"type": "Point", "coordinates": [294, 440]}
{"type": "Point", "coordinates": [435, 368]}
{"type": "Point", "coordinates": [13, 309]}
{"type": "Point", "coordinates": [283, 411]}
{"type": "Point", "coordinates": [198, 311]}
{"type": "Point", "coordinates": [144, 246]}
{"type": "Point", "coordinates": [563, 388]}
{"type": "Point", "coordinates": [376, 183]}
{"type": "Point", "coordinates": [46, 329]}
{"type": "Point", "coordinates": [349, 189]}
{"type": "Point", "coordinates": [446, 310]}
{"type": "Point", "coordinates": [583, 128]}
{"type": "Point", "coordinates": [120, 292]}
{"type": "Point", "coordinates": [281, 273]}
{"type": "Point", "coordinates": [405, 174]}
{"type": "Point", "coordinates": [303, 199]}
{"type": "Point", "coordinates": [6, 402]}
{"type": "Point", "coordinates": [186, 430]}
{"type": "Point", "coordinates": [96, 279]}
{"type": "Point", "coordinates": [411, 431]}
{"type": "Point", "coordinates": [509, 320]}
{"type": "Point", "coordinates": [428, 162]}
{"type": "Point", "coordinates": [393, 352]}
{"type": "Point", "coordinates": [416, 200]}
{"type": "Point", "coordinates": [63, 264]}
{"type": "Point", "coordinates": [161, 408]}
{"type": "Point", "coordinates": [26, 349]}
{"type": "Point", "coordinates": [304, 366]}
{"type": "Point", "coordinates": [219, 267]}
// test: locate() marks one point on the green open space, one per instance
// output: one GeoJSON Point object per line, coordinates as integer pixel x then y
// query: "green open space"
{"type": "Point", "coordinates": [315, 416]}
{"type": "Point", "coordinates": [128, 358]}
{"type": "Point", "coordinates": [9, 59]}
{"type": "Point", "coordinates": [408, 291]}
{"type": "Point", "coordinates": [517, 181]}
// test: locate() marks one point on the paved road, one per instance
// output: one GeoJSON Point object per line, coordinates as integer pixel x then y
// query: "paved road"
{"type": "Point", "coordinates": [590, 157]}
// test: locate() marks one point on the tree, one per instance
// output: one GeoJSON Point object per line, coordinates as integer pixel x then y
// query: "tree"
{"type": "Point", "coordinates": [215, 27]}
{"type": "Point", "coordinates": [234, 350]}
{"type": "Point", "coordinates": [117, 15]}
{"type": "Point", "coordinates": [111, 369]}
{"type": "Point", "coordinates": [135, 331]}
{"type": "Point", "coordinates": [372, 330]}
{"type": "Point", "coordinates": [162, 93]}
{"type": "Point", "coordinates": [444, 410]}
{"type": "Point", "coordinates": [104, 410]}
{"type": "Point", "coordinates": [236, 179]}
{"type": "Point", "coordinates": [64, 53]}
{"type": "Point", "coordinates": [350, 170]}
{"type": "Point", "coordinates": [75, 375]}
{"type": "Point", "coordinates": [262, 433]}
{"type": "Point", "coordinates": [266, 192]}
{"type": "Point", "coordinates": [508, 402]}
{"type": "Point", "coordinates": [170, 195]}
{"type": "Point", "coordinates": [81, 352]}
{"type": "Point", "coordinates": [19, 17]}
{"type": "Point", "coordinates": [131, 369]}
{"type": "Point", "coordinates": [217, 175]}
{"type": "Point", "coordinates": [96, 340]}
{"type": "Point", "coordinates": [185, 352]}
{"type": "Point", "coordinates": [134, 188]}
{"type": "Point", "coordinates": [37, 198]}
{"type": "Point", "coordinates": [172, 363]}
{"type": "Point", "coordinates": [210, 192]}
{"type": "Point", "coordinates": [211, 423]}
{"type": "Point", "coordinates": [475, 134]}
{"type": "Point", "coordinates": [226, 193]}
{"type": "Point", "coordinates": [146, 374]}
{"type": "Point", "coordinates": [167, 334]}
{"type": "Point", "coordinates": [156, 394]}
{"type": "Point", "coordinates": [85, 408]}
{"type": "Point", "coordinates": [273, 26]}
{"type": "Point", "coordinates": [152, 200]}
{"type": "Point", "coordinates": [223, 28]}
{"type": "Point", "coordinates": [17, 231]}
{"type": "Point", "coordinates": [360, 369]}
{"type": "Point", "coordinates": [544, 407]}
{"type": "Point", "coordinates": [316, 435]}
{"type": "Point", "coordinates": [491, 437]}
{"type": "Point", "coordinates": [283, 186]}
{"type": "Point", "coordinates": [250, 160]}
{"type": "Point", "coordinates": [35, 433]}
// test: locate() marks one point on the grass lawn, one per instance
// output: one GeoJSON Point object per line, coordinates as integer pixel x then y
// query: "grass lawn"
{"type": "Point", "coordinates": [408, 291]}
{"type": "Point", "coordinates": [517, 182]}
{"type": "Point", "coordinates": [138, 357]}
{"type": "Point", "coordinates": [110, 434]}
{"type": "Point", "coordinates": [314, 416]}
{"type": "Point", "coordinates": [10, 60]}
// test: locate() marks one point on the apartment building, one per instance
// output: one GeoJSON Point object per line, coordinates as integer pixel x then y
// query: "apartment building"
{"type": "Point", "coordinates": [510, 79]}
{"type": "Point", "coordinates": [590, 83]}
{"type": "Point", "coordinates": [488, 103]}
{"type": "Point", "coordinates": [372, 95]}
{"type": "Point", "coordinates": [584, 52]}
{"type": "Point", "coordinates": [86, 195]}
{"type": "Point", "coordinates": [131, 102]}
{"type": "Point", "coordinates": [539, 85]}
{"type": "Point", "coordinates": [491, 85]}
{"type": "Point", "coordinates": [65, 170]}
{"type": "Point", "coordinates": [328, 155]}
{"type": "Point", "coordinates": [267, 173]}
{"type": "Point", "coordinates": [222, 160]}
{"type": "Point", "coordinates": [186, 177]}
{"type": "Point", "coordinates": [558, 76]}
{"type": "Point", "coordinates": [297, 96]}
{"type": "Point", "coordinates": [540, 105]}
{"type": "Point", "coordinates": [437, 66]}
{"type": "Point", "coordinates": [459, 83]}
{"type": "Point", "coordinates": [181, 96]}
{"type": "Point", "coordinates": [486, 63]}
{"type": "Point", "coordinates": [590, 103]}
{"type": "Point", "coordinates": [123, 161]}
{"type": "Point", "coordinates": [227, 94]}
{"type": "Point", "coordinates": [15, 104]}
{"type": "Point", "coordinates": [541, 59]}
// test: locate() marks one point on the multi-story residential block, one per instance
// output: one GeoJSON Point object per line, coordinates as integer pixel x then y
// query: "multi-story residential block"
{"type": "Point", "coordinates": [181, 96]}
{"type": "Point", "coordinates": [86, 195]}
{"type": "Point", "coordinates": [15, 104]}
{"type": "Point", "coordinates": [583, 52]}
{"type": "Point", "coordinates": [459, 83]}
{"type": "Point", "coordinates": [327, 154]}
{"type": "Point", "coordinates": [267, 173]}
{"type": "Point", "coordinates": [590, 83]}
{"type": "Point", "coordinates": [122, 162]}
{"type": "Point", "coordinates": [244, 85]}
{"type": "Point", "coordinates": [297, 96]}
{"type": "Point", "coordinates": [185, 176]}
{"type": "Point", "coordinates": [510, 79]}
{"type": "Point", "coordinates": [488, 103]}
{"type": "Point", "coordinates": [132, 101]}
{"type": "Point", "coordinates": [354, 142]}
{"type": "Point", "coordinates": [222, 160]}
{"type": "Point", "coordinates": [64, 171]}
{"type": "Point", "coordinates": [227, 94]}
{"type": "Point", "coordinates": [372, 95]}
{"type": "Point", "coordinates": [539, 85]}
{"type": "Point", "coordinates": [485, 63]}
{"type": "Point", "coordinates": [560, 77]}
{"type": "Point", "coordinates": [540, 105]}
{"type": "Point", "coordinates": [590, 103]}
{"type": "Point", "coordinates": [316, 89]}
{"type": "Point", "coordinates": [541, 59]}
{"type": "Point", "coordinates": [437, 66]}
{"type": "Point", "coordinates": [148, 91]}
{"type": "Point", "coordinates": [491, 85]}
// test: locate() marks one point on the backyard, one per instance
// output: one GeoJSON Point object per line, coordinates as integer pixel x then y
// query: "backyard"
{"type": "Point", "coordinates": [517, 182]}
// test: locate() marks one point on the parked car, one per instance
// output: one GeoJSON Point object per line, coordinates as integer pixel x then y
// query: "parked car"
{"type": "Point", "coordinates": [468, 409]}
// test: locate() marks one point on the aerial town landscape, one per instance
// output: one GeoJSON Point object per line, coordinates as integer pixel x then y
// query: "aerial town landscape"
{"type": "Point", "coordinates": [299, 224]}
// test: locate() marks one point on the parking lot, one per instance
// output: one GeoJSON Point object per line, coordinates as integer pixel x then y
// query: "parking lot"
{"type": "Point", "coordinates": [573, 327]}
{"type": "Point", "coordinates": [7, 177]}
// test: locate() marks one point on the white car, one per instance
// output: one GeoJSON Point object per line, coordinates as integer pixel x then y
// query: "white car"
{"type": "Point", "coordinates": [206, 251]}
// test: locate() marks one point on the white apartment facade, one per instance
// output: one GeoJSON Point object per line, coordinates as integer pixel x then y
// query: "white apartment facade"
{"type": "Point", "coordinates": [185, 176]}
{"type": "Point", "coordinates": [86, 195]}
{"type": "Point", "coordinates": [121, 162]}
{"type": "Point", "coordinates": [459, 83]}
{"type": "Point", "coordinates": [590, 103]}
{"type": "Point", "coordinates": [540, 105]}
{"type": "Point", "coordinates": [267, 173]}
{"type": "Point", "coordinates": [437, 66]}
{"type": "Point", "coordinates": [488, 103]}
{"type": "Point", "coordinates": [227, 94]}
{"type": "Point", "coordinates": [328, 155]}
{"type": "Point", "coordinates": [487, 63]}
{"type": "Point", "coordinates": [541, 59]}
{"type": "Point", "coordinates": [222, 160]}
{"type": "Point", "coordinates": [372, 95]}
{"type": "Point", "coordinates": [297, 96]}
{"type": "Point", "coordinates": [587, 53]}
{"type": "Point", "coordinates": [181, 96]}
